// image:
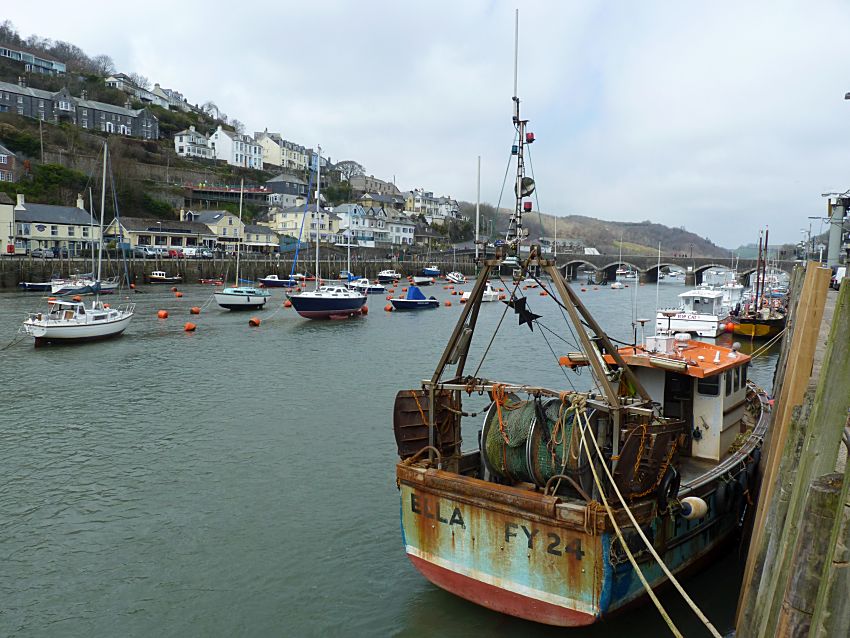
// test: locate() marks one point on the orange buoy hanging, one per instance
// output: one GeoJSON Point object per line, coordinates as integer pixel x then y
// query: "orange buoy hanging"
{"type": "Point", "coordinates": [254, 322]}
{"type": "Point", "coordinates": [388, 307]}
{"type": "Point", "coordinates": [162, 314]}
{"type": "Point", "coordinates": [195, 310]}
{"type": "Point", "coordinates": [51, 299]}
{"type": "Point", "coordinates": [189, 326]}
{"type": "Point", "coordinates": [502, 297]}
{"type": "Point", "coordinates": [178, 294]}
{"type": "Point", "coordinates": [364, 310]}
{"type": "Point", "coordinates": [287, 304]}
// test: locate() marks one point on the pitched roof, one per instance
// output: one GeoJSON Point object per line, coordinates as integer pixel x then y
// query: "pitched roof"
{"type": "Point", "coordinates": [210, 216]}
{"type": "Point", "coordinates": [257, 229]}
{"type": "Point", "coordinates": [5, 151]}
{"type": "Point", "coordinates": [25, 90]}
{"type": "Point", "coordinates": [154, 225]}
{"type": "Point", "coordinates": [5, 199]}
{"type": "Point", "coordinates": [52, 214]}
{"type": "Point", "coordinates": [283, 177]}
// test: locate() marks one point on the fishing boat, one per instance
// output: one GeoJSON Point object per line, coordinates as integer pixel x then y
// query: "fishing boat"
{"type": "Point", "coordinates": [326, 302]}
{"type": "Point", "coordinates": [40, 286]}
{"type": "Point", "coordinates": [422, 281]}
{"type": "Point", "coordinates": [73, 321]}
{"type": "Point", "coordinates": [456, 277]}
{"type": "Point", "coordinates": [414, 299]}
{"type": "Point", "coordinates": [702, 312]}
{"type": "Point", "coordinates": [161, 277]}
{"type": "Point", "coordinates": [273, 281]}
{"type": "Point", "coordinates": [574, 498]}
{"type": "Point", "coordinates": [241, 297]}
{"type": "Point", "coordinates": [388, 276]}
{"type": "Point", "coordinates": [617, 285]}
{"type": "Point", "coordinates": [365, 286]}
{"type": "Point", "coordinates": [431, 271]}
{"type": "Point", "coordinates": [762, 316]}
{"type": "Point", "coordinates": [489, 294]}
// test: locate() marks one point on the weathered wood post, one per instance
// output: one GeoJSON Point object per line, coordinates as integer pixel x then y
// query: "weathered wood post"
{"type": "Point", "coordinates": [807, 561]}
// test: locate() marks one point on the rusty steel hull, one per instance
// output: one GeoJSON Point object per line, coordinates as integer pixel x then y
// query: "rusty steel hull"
{"type": "Point", "coordinates": [522, 555]}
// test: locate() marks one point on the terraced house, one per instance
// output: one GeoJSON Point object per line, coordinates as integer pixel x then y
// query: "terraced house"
{"type": "Point", "coordinates": [61, 106]}
{"type": "Point", "coordinates": [48, 226]}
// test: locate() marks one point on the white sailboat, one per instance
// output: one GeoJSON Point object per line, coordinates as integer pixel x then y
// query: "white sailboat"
{"type": "Point", "coordinates": [73, 321]}
{"type": "Point", "coordinates": [241, 297]}
{"type": "Point", "coordinates": [326, 302]}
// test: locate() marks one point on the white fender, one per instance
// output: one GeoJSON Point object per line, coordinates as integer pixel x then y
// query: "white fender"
{"type": "Point", "coordinates": [693, 507]}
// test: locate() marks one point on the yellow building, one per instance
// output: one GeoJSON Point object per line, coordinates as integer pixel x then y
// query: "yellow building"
{"type": "Point", "coordinates": [229, 231]}
{"type": "Point", "coordinates": [47, 226]}
{"type": "Point", "coordinates": [291, 221]}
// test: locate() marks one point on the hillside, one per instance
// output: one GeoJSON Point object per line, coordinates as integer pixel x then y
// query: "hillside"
{"type": "Point", "coordinates": [639, 238]}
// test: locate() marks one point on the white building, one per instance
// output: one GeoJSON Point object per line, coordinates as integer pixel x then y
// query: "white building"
{"type": "Point", "coordinates": [401, 229]}
{"type": "Point", "coordinates": [236, 149]}
{"type": "Point", "coordinates": [172, 98]}
{"type": "Point", "coordinates": [123, 82]}
{"type": "Point", "coordinates": [190, 143]}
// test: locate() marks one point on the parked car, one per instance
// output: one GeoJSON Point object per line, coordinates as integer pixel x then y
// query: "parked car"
{"type": "Point", "coordinates": [42, 253]}
{"type": "Point", "coordinates": [144, 252]}
{"type": "Point", "coordinates": [191, 252]}
{"type": "Point", "coordinates": [60, 252]}
{"type": "Point", "coordinates": [161, 251]}
{"type": "Point", "coordinates": [837, 277]}
{"type": "Point", "coordinates": [206, 253]}
{"type": "Point", "coordinates": [176, 253]}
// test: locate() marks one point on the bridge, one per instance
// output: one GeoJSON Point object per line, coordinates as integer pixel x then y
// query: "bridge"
{"type": "Point", "coordinates": [604, 267]}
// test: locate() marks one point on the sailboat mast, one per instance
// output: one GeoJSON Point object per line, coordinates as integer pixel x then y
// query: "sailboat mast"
{"type": "Point", "coordinates": [238, 241]}
{"type": "Point", "coordinates": [515, 232]}
{"type": "Point", "coordinates": [478, 209]}
{"type": "Point", "coordinates": [102, 210]}
{"type": "Point", "coordinates": [91, 228]}
{"type": "Point", "coordinates": [318, 195]}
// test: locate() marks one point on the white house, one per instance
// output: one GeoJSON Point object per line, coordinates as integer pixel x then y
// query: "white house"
{"type": "Point", "coordinates": [236, 149]}
{"type": "Point", "coordinates": [402, 229]}
{"type": "Point", "coordinates": [122, 82]}
{"type": "Point", "coordinates": [190, 143]}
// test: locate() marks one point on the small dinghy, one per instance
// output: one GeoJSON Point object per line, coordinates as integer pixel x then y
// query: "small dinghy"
{"type": "Point", "coordinates": [414, 300]}
{"type": "Point", "coordinates": [422, 281]}
{"type": "Point", "coordinates": [456, 277]}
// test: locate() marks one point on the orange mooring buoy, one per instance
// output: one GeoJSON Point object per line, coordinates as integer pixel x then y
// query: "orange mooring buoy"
{"type": "Point", "coordinates": [389, 297]}
{"type": "Point", "coordinates": [189, 326]}
{"type": "Point", "coordinates": [132, 286]}
{"type": "Point", "coordinates": [254, 322]}
{"type": "Point", "coordinates": [462, 300]}
{"type": "Point", "coordinates": [162, 314]}
{"type": "Point", "coordinates": [178, 294]}
{"type": "Point", "coordinates": [287, 304]}
{"type": "Point", "coordinates": [174, 289]}
{"type": "Point", "coordinates": [404, 289]}
{"type": "Point", "coordinates": [388, 307]}
{"type": "Point", "coordinates": [364, 310]}
{"type": "Point", "coordinates": [195, 310]}
{"type": "Point", "coordinates": [584, 289]}
{"type": "Point", "coordinates": [543, 293]}
{"type": "Point", "coordinates": [502, 297]}
{"type": "Point", "coordinates": [448, 303]}
{"type": "Point", "coordinates": [106, 305]}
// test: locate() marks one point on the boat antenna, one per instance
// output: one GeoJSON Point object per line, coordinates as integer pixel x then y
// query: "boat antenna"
{"type": "Point", "coordinates": [524, 185]}
{"type": "Point", "coordinates": [318, 195]}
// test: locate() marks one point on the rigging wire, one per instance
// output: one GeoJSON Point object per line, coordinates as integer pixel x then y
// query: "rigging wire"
{"type": "Point", "coordinates": [505, 178]}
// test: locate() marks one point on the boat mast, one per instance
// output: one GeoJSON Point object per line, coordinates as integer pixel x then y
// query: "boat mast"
{"type": "Point", "coordinates": [478, 209]}
{"type": "Point", "coordinates": [515, 232]}
{"type": "Point", "coordinates": [91, 229]}
{"type": "Point", "coordinates": [318, 194]}
{"type": "Point", "coordinates": [102, 209]}
{"type": "Point", "coordinates": [238, 242]}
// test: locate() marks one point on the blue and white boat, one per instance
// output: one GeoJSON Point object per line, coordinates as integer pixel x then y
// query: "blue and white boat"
{"type": "Point", "coordinates": [326, 302]}
{"type": "Point", "coordinates": [414, 300]}
{"type": "Point", "coordinates": [388, 276]}
{"type": "Point", "coordinates": [347, 275]}
{"type": "Point", "coordinates": [273, 281]}
{"type": "Point", "coordinates": [456, 277]}
{"type": "Point", "coordinates": [431, 271]}
{"type": "Point", "coordinates": [241, 297]}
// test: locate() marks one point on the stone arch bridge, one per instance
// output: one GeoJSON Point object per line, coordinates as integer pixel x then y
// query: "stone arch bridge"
{"type": "Point", "coordinates": [604, 267]}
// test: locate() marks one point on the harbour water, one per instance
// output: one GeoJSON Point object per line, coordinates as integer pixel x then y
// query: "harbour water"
{"type": "Point", "coordinates": [240, 481]}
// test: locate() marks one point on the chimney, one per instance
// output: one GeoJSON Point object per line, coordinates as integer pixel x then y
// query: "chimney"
{"type": "Point", "coordinates": [84, 95]}
{"type": "Point", "coordinates": [22, 81]}
{"type": "Point", "coordinates": [192, 128]}
{"type": "Point", "coordinates": [21, 202]}
{"type": "Point", "coordinates": [182, 215]}
{"type": "Point", "coordinates": [127, 104]}
{"type": "Point", "coordinates": [80, 203]}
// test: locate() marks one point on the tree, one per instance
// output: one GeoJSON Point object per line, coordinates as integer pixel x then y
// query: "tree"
{"type": "Point", "coordinates": [8, 33]}
{"type": "Point", "coordinates": [349, 168]}
{"type": "Point", "coordinates": [103, 65]}
{"type": "Point", "coordinates": [139, 80]}
{"type": "Point", "coordinates": [238, 126]}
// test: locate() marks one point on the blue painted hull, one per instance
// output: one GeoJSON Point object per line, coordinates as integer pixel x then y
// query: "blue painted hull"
{"type": "Point", "coordinates": [326, 308]}
{"type": "Point", "coordinates": [414, 304]}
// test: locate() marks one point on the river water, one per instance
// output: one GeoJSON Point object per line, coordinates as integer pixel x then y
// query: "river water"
{"type": "Point", "coordinates": [239, 481]}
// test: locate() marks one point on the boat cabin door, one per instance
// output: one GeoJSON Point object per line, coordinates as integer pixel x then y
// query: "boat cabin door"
{"type": "Point", "coordinates": [679, 403]}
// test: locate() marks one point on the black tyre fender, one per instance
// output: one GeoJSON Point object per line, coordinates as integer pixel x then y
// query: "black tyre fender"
{"type": "Point", "coordinates": [721, 497]}
{"type": "Point", "coordinates": [668, 488]}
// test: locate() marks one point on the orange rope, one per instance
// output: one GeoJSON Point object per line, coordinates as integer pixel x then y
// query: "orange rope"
{"type": "Point", "coordinates": [418, 405]}
{"type": "Point", "coordinates": [500, 397]}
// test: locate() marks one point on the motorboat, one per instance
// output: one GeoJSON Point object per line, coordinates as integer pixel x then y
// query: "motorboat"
{"type": "Point", "coordinates": [702, 312]}
{"type": "Point", "coordinates": [365, 286]}
{"type": "Point", "coordinates": [422, 281]}
{"type": "Point", "coordinates": [160, 277]}
{"type": "Point", "coordinates": [388, 276]}
{"type": "Point", "coordinates": [347, 275]}
{"type": "Point", "coordinates": [431, 271]}
{"type": "Point", "coordinates": [456, 277]}
{"type": "Point", "coordinates": [242, 298]}
{"type": "Point", "coordinates": [489, 294]}
{"type": "Point", "coordinates": [617, 285]}
{"type": "Point", "coordinates": [414, 299]}
{"type": "Point", "coordinates": [273, 281]}
{"type": "Point", "coordinates": [73, 322]}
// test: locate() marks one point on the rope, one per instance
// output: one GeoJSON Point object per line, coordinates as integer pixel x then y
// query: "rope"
{"type": "Point", "coordinates": [673, 629]}
{"type": "Point", "coordinates": [20, 337]}
{"type": "Point", "coordinates": [688, 600]}
{"type": "Point", "coordinates": [764, 347]}
{"type": "Point", "coordinates": [419, 405]}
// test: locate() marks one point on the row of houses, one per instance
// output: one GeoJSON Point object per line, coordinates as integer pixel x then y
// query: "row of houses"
{"type": "Point", "coordinates": [62, 107]}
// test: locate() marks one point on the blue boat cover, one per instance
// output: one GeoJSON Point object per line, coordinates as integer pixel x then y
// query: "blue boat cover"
{"type": "Point", "coordinates": [414, 293]}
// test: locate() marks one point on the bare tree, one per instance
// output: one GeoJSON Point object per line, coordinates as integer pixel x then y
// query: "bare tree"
{"type": "Point", "coordinates": [238, 126]}
{"type": "Point", "coordinates": [139, 80]}
{"type": "Point", "coordinates": [349, 168]}
{"type": "Point", "coordinates": [8, 33]}
{"type": "Point", "coordinates": [103, 65]}
{"type": "Point", "coordinates": [211, 108]}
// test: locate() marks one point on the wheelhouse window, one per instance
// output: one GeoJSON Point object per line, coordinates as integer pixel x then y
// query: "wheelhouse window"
{"type": "Point", "coordinates": [709, 386]}
{"type": "Point", "coordinates": [737, 379]}
{"type": "Point", "coordinates": [728, 375]}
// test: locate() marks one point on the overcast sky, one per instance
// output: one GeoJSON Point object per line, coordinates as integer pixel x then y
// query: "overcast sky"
{"type": "Point", "coordinates": [720, 118]}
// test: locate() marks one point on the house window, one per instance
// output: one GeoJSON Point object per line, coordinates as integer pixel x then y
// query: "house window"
{"type": "Point", "coordinates": [224, 232]}
{"type": "Point", "coordinates": [4, 159]}
{"type": "Point", "coordinates": [84, 123]}
{"type": "Point", "coordinates": [71, 231]}
{"type": "Point", "coordinates": [64, 105]}
{"type": "Point", "coordinates": [54, 230]}
{"type": "Point", "coordinates": [85, 231]}
{"type": "Point", "coordinates": [85, 111]}
{"type": "Point", "coordinates": [20, 110]}
{"type": "Point", "coordinates": [20, 99]}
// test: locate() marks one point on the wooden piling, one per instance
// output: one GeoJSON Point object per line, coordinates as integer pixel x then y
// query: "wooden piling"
{"type": "Point", "coordinates": [807, 561]}
{"type": "Point", "coordinates": [819, 456]}
{"type": "Point", "coordinates": [831, 616]}
{"type": "Point", "coordinates": [793, 379]}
